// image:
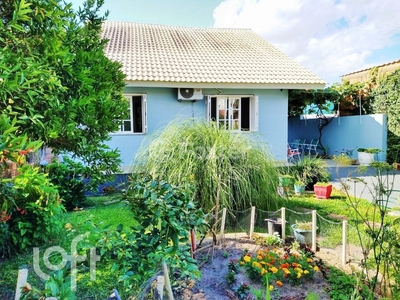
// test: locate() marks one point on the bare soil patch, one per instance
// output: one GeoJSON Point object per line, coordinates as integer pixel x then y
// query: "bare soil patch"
{"type": "Point", "coordinates": [213, 284]}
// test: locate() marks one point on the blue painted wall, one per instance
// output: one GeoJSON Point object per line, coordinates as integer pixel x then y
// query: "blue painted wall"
{"type": "Point", "coordinates": [163, 107]}
{"type": "Point", "coordinates": [350, 132]}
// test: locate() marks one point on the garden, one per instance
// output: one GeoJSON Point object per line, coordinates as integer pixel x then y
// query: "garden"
{"type": "Point", "coordinates": [149, 228]}
{"type": "Point", "coordinates": [129, 236]}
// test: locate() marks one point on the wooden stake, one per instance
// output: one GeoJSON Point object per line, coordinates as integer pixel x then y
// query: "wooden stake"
{"type": "Point", "coordinates": [167, 282]}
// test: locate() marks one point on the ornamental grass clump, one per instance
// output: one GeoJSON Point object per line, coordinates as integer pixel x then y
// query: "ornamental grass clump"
{"type": "Point", "coordinates": [278, 267]}
{"type": "Point", "coordinates": [237, 167]}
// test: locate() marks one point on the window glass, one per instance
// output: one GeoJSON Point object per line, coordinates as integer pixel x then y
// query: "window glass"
{"type": "Point", "coordinates": [137, 115]}
{"type": "Point", "coordinates": [233, 112]}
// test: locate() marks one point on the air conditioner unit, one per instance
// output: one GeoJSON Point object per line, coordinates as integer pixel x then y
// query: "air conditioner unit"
{"type": "Point", "coordinates": [190, 94]}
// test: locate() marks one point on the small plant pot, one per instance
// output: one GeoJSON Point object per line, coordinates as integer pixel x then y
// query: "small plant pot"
{"type": "Point", "coordinates": [323, 191]}
{"type": "Point", "coordinates": [302, 236]}
{"type": "Point", "coordinates": [299, 189]}
{"type": "Point", "coordinates": [365, 158]}
{"type": "Point", "coordinates": [285, 181]}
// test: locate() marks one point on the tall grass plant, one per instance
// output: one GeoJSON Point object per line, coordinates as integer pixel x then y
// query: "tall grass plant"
{"type": "Point", "coordinates": [237, 168]}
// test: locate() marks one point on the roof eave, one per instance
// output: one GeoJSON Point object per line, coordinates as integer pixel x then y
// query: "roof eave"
{"type": "Point", "coordinates": [205, 85]}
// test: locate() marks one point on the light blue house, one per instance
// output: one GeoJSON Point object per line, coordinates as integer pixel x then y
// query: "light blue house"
{"type": "Point", "coordinates": [232, 76]}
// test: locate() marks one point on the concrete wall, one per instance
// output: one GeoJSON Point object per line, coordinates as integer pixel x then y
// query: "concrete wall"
{"type": "Point", "coordinates": [366, 131]}
{"type": "Point", "coordinates": [163, 107]}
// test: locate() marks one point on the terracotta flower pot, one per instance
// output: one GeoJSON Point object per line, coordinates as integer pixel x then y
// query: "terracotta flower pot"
{"type": "Point", "coordinates": [323, 191]}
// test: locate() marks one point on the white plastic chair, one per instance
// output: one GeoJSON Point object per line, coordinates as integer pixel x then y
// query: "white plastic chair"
{"type": "Point", "coordinates": [293, 153]}
{"type": "Point", "coordinates": [295, 143]}
{"type": "Point", "coordinates": [312, 146]}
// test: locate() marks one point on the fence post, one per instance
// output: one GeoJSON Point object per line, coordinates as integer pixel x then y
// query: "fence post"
{"type": "Point", "coordinates": [252, 218]}
{"type": "Point", "coordinates": [21, 281]}
{"type": "Point", "coordinates": [221, 234]}
{"type": "Point", "coordinates": [283, 217]}
{"type": "Point", "coordinates": [344, 243]}
{"type": "Point", "coordinates": [314, 231]}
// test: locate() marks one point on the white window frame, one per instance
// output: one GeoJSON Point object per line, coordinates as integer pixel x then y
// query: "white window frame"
{"type": "Point", "coordinates": [128, 97]}
{"type": "Point", "coordinates": [253, 110]}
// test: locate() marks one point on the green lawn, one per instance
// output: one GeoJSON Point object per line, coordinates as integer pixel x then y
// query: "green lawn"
{"type": "Point", "coordinates": [98, 215]}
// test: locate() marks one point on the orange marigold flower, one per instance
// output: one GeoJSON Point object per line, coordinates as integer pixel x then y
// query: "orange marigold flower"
{"type": "Point", "coordinates": [295, 264]}
{"type": "Point", "coordinates": [279, 283]}
{"type": "Point", "coordinates": [259, 257]}
{"type": "Point", "coordinates": [309, 260]}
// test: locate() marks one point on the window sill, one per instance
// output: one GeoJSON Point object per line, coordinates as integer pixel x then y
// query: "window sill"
{"type": "Point", "coordinates": [127, 133]}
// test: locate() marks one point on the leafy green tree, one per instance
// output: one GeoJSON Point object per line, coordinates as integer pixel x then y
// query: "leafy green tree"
{"type": "Point", "coordinates": [387, 100]}
{"type": "Point", "coordinates": [316, 102]}
{"type": "Point", "coordinates": [54, 73]}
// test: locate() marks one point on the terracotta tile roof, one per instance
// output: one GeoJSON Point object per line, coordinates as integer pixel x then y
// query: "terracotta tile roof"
{"type": "Point", "coordinates": [163, 53]}
{"type": "Point", "coordinates": [379, 66]}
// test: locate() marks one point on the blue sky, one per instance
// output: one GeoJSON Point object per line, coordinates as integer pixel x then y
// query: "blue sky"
{"type": "Point", "coordinates": [329, 37]}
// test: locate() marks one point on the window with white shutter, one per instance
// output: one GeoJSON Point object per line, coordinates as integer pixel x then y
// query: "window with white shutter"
{"type": "Point", "coordinates": [237, 113]}
{"type": "Point", "coordinates": [137, 121]}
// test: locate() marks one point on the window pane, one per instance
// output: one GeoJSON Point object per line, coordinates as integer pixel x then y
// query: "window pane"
{"type": "Point", "coordinates": [137, 113]}
{"type": "Point", "coordinates": [235, 103]}
{"type": "Point", "coordinates": [126, 125]}
{"type": "Point", "coordinates": [245, 114]}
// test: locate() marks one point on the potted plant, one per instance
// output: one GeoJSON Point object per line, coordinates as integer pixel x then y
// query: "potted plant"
{"type": "Point", "coordinates": [323, 190]}
{"type": "Point", "coordinates": [286, 180]}
{"type": "Point", "coordinates": [366, 155]}
{"type": "Point", "coordinates": [300, 185]}
{"type": "Point", "coordinates": [311, 170]}
{"type": "Point", "coordinates": [303, 232]}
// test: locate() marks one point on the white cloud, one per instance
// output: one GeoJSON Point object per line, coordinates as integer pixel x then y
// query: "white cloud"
{"type": "Point", "coordinates": [329, 37]}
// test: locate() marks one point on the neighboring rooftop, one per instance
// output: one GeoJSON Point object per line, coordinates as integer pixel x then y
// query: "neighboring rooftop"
{"type": "Point", "coordinates": [154, 54]}
{"type": "Point", "coordinates": [362, 75]}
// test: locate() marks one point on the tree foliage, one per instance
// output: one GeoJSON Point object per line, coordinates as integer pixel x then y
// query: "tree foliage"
{"type": "Point", "coordinates": [54, 73]}
{"type": "Point", "coordinates": [317, 102]}
{"type": "Point", "coordinates": [386, 97]}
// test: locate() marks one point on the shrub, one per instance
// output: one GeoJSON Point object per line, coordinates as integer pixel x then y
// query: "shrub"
{"type": "Point", "coordinates": [67, 176]}
{"type": "Point", "coordinates": [311, 170]}
{"type": "Point", "coordinates": [166, 215]}
{"type": "Point", "coordinates": [31, 204]}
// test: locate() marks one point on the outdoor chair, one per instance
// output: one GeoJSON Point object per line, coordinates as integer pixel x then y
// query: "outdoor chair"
{"type": "Point", "coordinates": [312, 146]}
{"type": "Point", "coordinates": [302, 144]}
{"type": "Point", "coordinates": [295, 143]}
{"type": "Point", "coordinates": [293, 153]}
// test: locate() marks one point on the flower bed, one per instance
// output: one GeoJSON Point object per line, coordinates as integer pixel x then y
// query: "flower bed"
{"type": "Point", "coordinates": [279, 266]}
